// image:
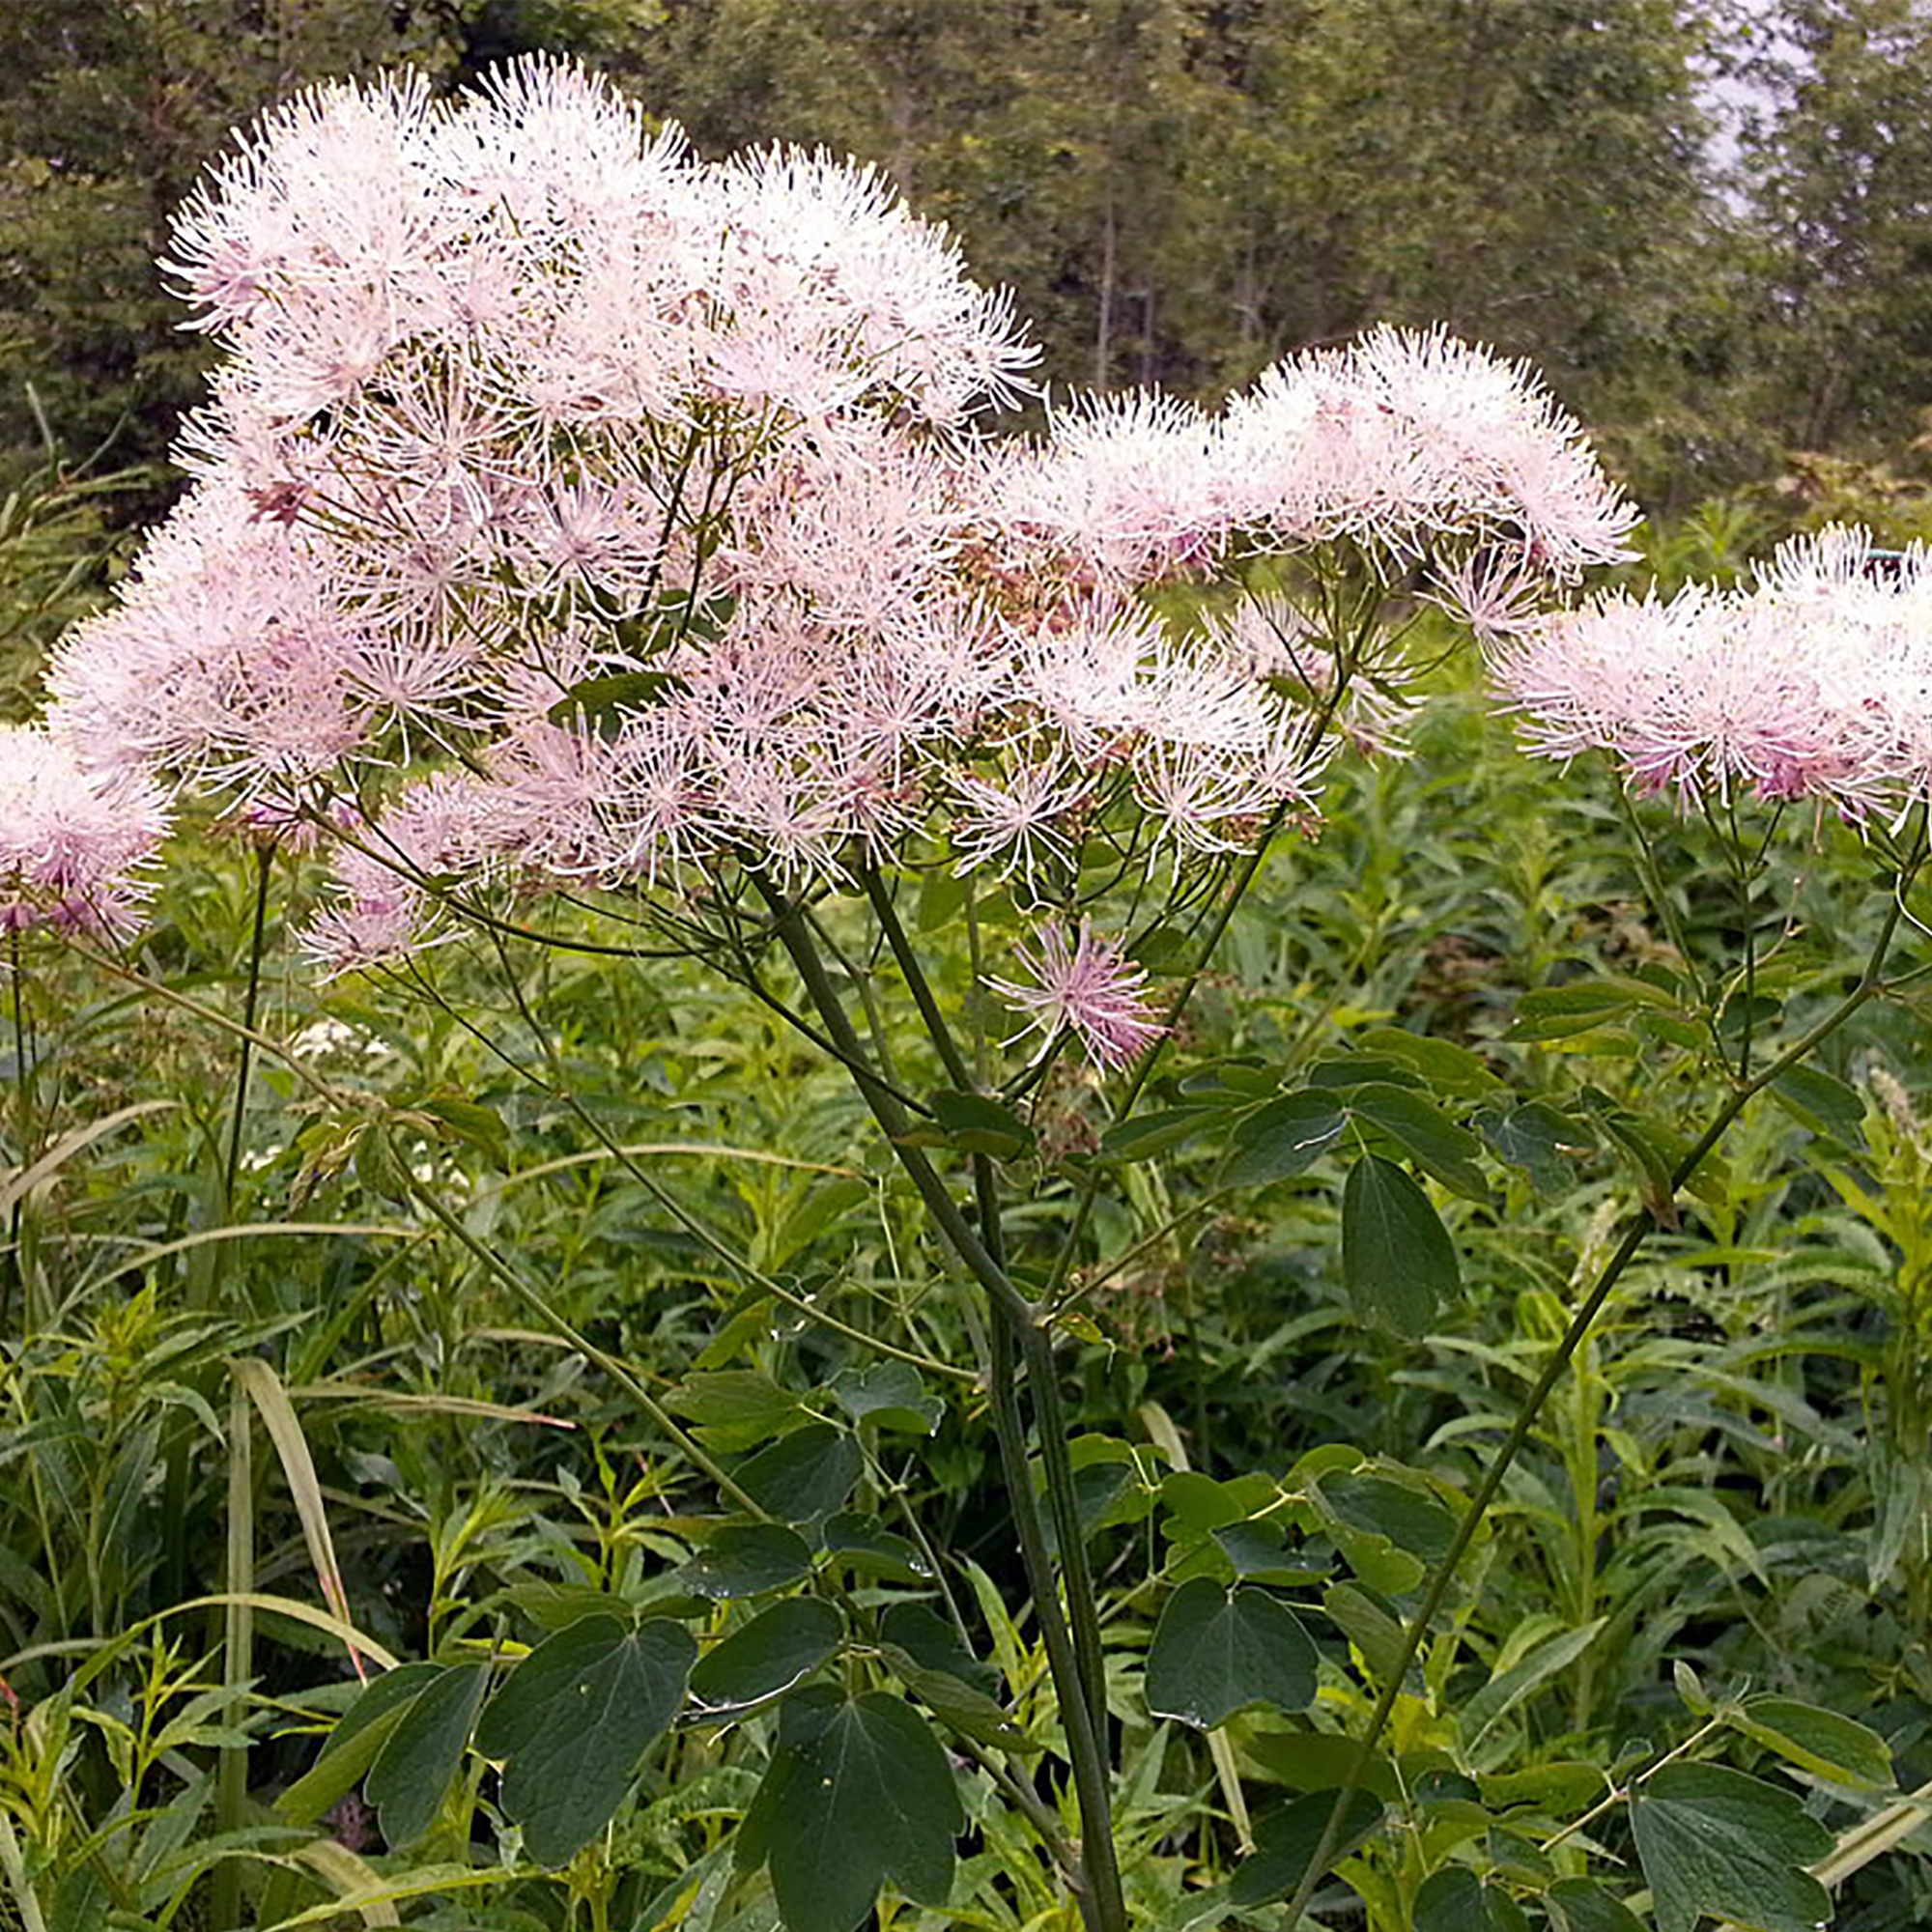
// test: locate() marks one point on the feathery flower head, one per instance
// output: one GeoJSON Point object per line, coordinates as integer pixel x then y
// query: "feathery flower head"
{"type": "Point", "coordinates": [1087, 989]}
{"type": "Point", "coordinates": [1815, 682]}
{"type": "Point", "coordinates": [72, 841]}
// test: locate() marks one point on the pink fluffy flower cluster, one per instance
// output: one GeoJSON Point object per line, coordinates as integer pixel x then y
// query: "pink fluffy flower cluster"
{"type": "Point", "coordinates": [1814, 681]}
{"type": "Point", "coordinates": [570, 508]}
{"type": "Point", "coordinates": [73, 842]}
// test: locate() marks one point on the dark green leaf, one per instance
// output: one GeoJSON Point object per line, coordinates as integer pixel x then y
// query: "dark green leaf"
{"type": "Point", "coordinates": [604, 702]}
{"type": "Point", "coordinates": [1284, 1138]}
{"type": "Point", "coordinates": [1411, 1516]}
{"type": "Point", "coordinates": [1258, 1553]}
{"type": "Point", "coordinates": [978, 1123]}
{"type": "Point", "coordinates": [1397, 1259]}
{"type": "Point", "coordinates": [802, 1476]}
{"type": "Point", "coordinates": [1714, 1840]}
{"type": "Point", "coordinates": [573, 1720]}
{"type": "Point", "coordinates": [1455, 1900]}
{"type": "Point", "coordinates": [1286, 1841]}
{"type": "Point", "coordinates": [1559, 1012]}
{"type": "Point", "coordinates": [891, 1395]}
{"type": "Point", "coordinates": [1314, 1760]}
{"type": "Point", "coordinates": [746, 1559]}
{"type": "Point", "coordinates": [1431, 1138]}
{"type": "Point", "coordinates": [1822, 1742]}
{"type": "Point", "coordinates": [1448, 1069]}
{"type": "Point", "coordinates": [867, 1543]}
{"type": "Point", "coordinates": [736, 1409]}
{"type": "Point", "coordinates": [777, 1649]}
{"type": "Point", "coordinates": [1582, 1905]}
{"type": "Point", "coordinates": [1822, 1103]}
{"type": "Point", "coordinates": [1150, 1134]}
{"type": "Point", "coordinates": [858, 1791]}
{"type": "Point", "coordinates": [350, 1748]}
{"type": "Point", "coordinates": [934, 1644]}
{"type": "Point", "coordinates": [1537, 1139]}
{"type": "Point", "coordinates": [419, 1762]}
{"type": "Point", "coordinates": [1215, 1652]}
{"type": "Point", "coordinates": [1367, 1624]}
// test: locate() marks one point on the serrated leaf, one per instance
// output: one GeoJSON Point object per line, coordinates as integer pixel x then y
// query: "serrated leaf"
{"type": "Point", "coordinates": [1455, 1899]}
{"type": "Point", "coordinates": [889, 1395]}
{"type": "Point", "coordinates": [1285, 1841]}
{"type": "Point", "coordinates": [573, 1720]}
{"type": "Point", "coordinates": [1215, 1652]}
{"type": "Point", "coordinates": [1710, 1839]}
{"type": "Point", "coordinates": [778, 1648]}
{"type": "Point", "coordinates": [858, 1791]}
{"type": "Point", "coordinates": [1425, 1132]}
{"type": "Point", "coordinates": [804, 1476]}
{"type": "Point", "coordinates": [1822, 1742]}
{"type": "Point", "coordinates": [1285, 1137]}
{"type": "Point", "coordinates": [1398, 1262]}
{"type": "Point", "coordinates": [419, 1759]}
{"type": "Point", "coordinates": [746, 1559]}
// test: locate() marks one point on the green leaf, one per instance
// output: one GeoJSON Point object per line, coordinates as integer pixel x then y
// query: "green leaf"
{"type": "Point", "coordinates": [803, 1476]}
{"type": "Point", "coordinates": [1821, 1741]}
{"type": "Point", "coordinates": [889, 1395]}
{"type": "Point", "coordinates": [573, 1720]}
{"type": "Point", "coordinates": [1505, 1691]}
{"type": "Point", "coordinates": [858, 1791]}
{"type": "Point", "coordinates": [1150, 1134]}
{"type": "Point", "coordinates": [777, 1649]}
{"type": "Point", "coordinates": [1560, 1012]}
{"type": "Point", "coordinates": [1284, 1138]}
{"type": "Point", "coordinates": [1398, 1262]}
{"type": "Point", "coordinates": [1215, 1652]}
{"type": "Point", "coordinates": [1582, 1905]}
{"type": "Point", "coordinates": [736, 1409]}
{"type": "Point", "coordinates": [1537, 1139]}
{"type": "Point", "coordinates": [1824, 1104]}
{"type": "Point", "coordinates": [1431, 1138]}
{"type": "Point", "coordinates": [1714, 1840]}
{"type": "Point", "coordinates": [1455, 1899]}
{"type": "Point", "coordinates": [352, 1747]}
{"type": "Point", "coordinates": [1400, 1508]}
{"type": "Point", "coordinates": [1448, 1069]}
{"type": "Point", "coordinates": [746, 1559]}
{"type": "Point", "coordinates": [978, 1123]}
{"type": "Point", "coordinates": [603, 702]}
{"type": "Point", "coordinates": [867, 1543]}
{"type": "Point", "coordinates": [1259, 1552]}
{"type": "Point", "coordinates": [934, 1644]}
{"type": "Point", "coordinates": [1285, 1841]}
{"type": "Point", "coordinates": [417, 1763]}
{"type": "Point", "coordinates": [1638, 1140]}
{"type": "Point", "coordinates": [1367, 1624]}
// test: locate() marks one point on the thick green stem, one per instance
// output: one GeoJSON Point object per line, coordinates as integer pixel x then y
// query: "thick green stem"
{"type": "Point", "coordinates": [1102, 1902]}
{"type": "Point", "coordinates": [1036, 1342]}
{"type": "Point", "coordinates": [237, 1660]}
{"type": "Point", "coordinates": [1636, 1228]}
